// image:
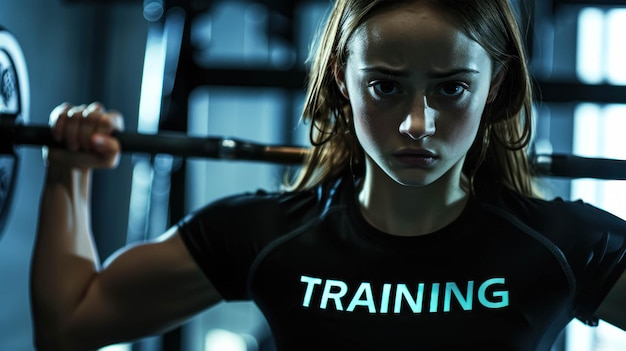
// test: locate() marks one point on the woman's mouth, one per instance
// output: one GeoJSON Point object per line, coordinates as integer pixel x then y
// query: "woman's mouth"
{"type": "Point", "coordinates": [420, 158]}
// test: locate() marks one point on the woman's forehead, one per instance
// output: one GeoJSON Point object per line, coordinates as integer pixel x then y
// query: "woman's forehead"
{"type": "Point", "coordinates": [414, 32]}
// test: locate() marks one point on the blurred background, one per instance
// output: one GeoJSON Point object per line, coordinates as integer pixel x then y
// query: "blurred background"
{"type": "Point", "coordinates": [237, 68]}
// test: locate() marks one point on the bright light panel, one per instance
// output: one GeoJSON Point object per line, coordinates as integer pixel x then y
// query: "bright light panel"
{"type": "Point", "coordinates": [615, 48]}
{"type": "Point", "coordinates": [117, 347]}
{"type": "Point", "coordinates": [224, 340]}
{"type": "Point", "coordinates": [590, 48]}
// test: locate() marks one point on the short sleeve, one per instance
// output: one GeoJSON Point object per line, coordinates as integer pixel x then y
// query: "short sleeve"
{"type": "Point", "coordinates": [592, 240]}
{"type": "Point", "coordinates": [604, 261]}
{"type": "Point", "coordinates": [605, 264]}
{"type": "Point", "coordinates": [224, 238]}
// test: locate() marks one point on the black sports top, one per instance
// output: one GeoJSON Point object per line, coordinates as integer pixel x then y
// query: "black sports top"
{"type": "Point", "coordinates": [506, 275]}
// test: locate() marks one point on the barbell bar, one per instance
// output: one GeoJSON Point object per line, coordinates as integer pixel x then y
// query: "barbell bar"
{"type": "Point", "coordinates": [172, 143]}
{"type": "Point", "coordinates": [180, 144]}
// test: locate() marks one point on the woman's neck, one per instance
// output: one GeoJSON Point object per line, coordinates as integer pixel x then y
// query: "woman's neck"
{"type": "Point", "coordinates": [411, 210]}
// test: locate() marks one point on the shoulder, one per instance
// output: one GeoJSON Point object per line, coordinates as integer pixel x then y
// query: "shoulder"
{"type": "Point", "coordinates": [257, 209]}
{"type": "Point", "coordinates": [263, 209]}
{"type": "Point", "coordinates": [575, 229]}
{"type": "Point", "coordinates": [560, 215]}
{"type": "Point", "coordinates": [591, 241]}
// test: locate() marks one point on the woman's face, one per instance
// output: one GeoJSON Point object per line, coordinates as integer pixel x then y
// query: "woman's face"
{"type": "Point", "coordinates": [417, 86]}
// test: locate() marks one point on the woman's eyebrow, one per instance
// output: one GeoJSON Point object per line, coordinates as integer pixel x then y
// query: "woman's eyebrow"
{"type": "Point", "coordinates": [452, 72]}
{"type": "Point", "coordinates": [386, 71]}
{"type": "Point", "coordinates": [405, 73]}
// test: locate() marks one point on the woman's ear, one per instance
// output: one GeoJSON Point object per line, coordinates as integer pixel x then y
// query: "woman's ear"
{"type": "Point", "coordinates": [496, 83]}
{"type": "Point", "coordinates": [340, 79]}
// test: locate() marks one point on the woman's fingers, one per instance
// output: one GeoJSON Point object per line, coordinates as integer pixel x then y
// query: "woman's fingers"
{"type": "Point", "coordinates": [58, 117]}
{"type": "Point", "coordinates": [104, 124]}
{"type": "Point", "coordinates": [88, 125]}
{"type": "Point", "coordinates": [73, 123]}
{"type": "Point", "coordinates": [86, 132]}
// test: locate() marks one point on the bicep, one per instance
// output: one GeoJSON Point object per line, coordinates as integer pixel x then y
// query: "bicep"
{"type": "Point", "coordinates": [143, 290]}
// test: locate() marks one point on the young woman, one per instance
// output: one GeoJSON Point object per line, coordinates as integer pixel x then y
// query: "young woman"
{"type": "Point", "coordinates": [413, 225]}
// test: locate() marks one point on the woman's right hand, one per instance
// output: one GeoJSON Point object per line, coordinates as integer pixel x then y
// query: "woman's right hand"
{"type": "Point", "coordinates": [85, 131]}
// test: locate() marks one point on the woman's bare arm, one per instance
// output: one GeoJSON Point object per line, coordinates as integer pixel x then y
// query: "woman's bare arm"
{"type": "Point", "coordinates": [78, 305]}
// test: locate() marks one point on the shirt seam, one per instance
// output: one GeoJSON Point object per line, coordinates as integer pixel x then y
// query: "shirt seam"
{"type": "Point", "coordinates": [274, 244]}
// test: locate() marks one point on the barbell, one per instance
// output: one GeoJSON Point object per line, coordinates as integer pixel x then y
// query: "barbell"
{"type": "Point", "coordinates": [14, 104]}
{"type": "Point", "coordinates": [14, 112]}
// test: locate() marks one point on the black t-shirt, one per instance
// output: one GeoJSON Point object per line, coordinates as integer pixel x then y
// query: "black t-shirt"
{"type": "Point", "coordinates": [508, 274]}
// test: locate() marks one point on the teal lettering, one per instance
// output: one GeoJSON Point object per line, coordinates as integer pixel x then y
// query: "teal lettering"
{"type": "Point", "coordinates": [503, 294]}
{"type": "Point", "coordinates": [310, 285]}
{"type": "Point", "coordinates": [384, 301]}
{"type": "Point", "coordinates": [403, 291]}
{"type": "Point", "coordinates": [336, 296]}
{"type": "Point", "coordinates": [490, 294]}
{"type": "Point", "coordinates": [364, 289]}
{"type": "Point", "coordinates": [434, 298]}
{"type": "Point", "coordinates": [464, 301]}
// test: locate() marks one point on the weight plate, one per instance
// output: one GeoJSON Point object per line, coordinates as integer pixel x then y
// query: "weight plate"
{"type": "Point", "coordinates": [8, 169]}
{"type": "Point", "coordinates": [14, 87]}
{"type": "Point", "coordinates": [14, 109]}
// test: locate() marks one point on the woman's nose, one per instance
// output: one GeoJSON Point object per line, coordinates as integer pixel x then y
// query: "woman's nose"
{"type": "Point", "coordinates": [420, 121]}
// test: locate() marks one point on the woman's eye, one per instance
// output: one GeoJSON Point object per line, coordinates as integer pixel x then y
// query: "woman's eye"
{"type": "Point", "coordinates": [383, 88]}
{"type": "Point", "coordinates": [453, 89]}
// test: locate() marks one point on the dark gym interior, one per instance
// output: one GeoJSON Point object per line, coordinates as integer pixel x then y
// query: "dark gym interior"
{"type": "Point", "coordinates": [237, 68]}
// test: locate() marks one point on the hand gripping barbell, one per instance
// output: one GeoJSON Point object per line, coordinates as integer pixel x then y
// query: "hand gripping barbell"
{"type": "Point", "coordinates": [14, 105]}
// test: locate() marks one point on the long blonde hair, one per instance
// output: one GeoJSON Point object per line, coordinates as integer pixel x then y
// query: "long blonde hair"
{"type": "Point", "coordinates": [499, 150]}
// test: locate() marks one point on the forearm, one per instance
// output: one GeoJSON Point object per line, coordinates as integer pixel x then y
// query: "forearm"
{"type": "Point", "coordinates": [64, 260]}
